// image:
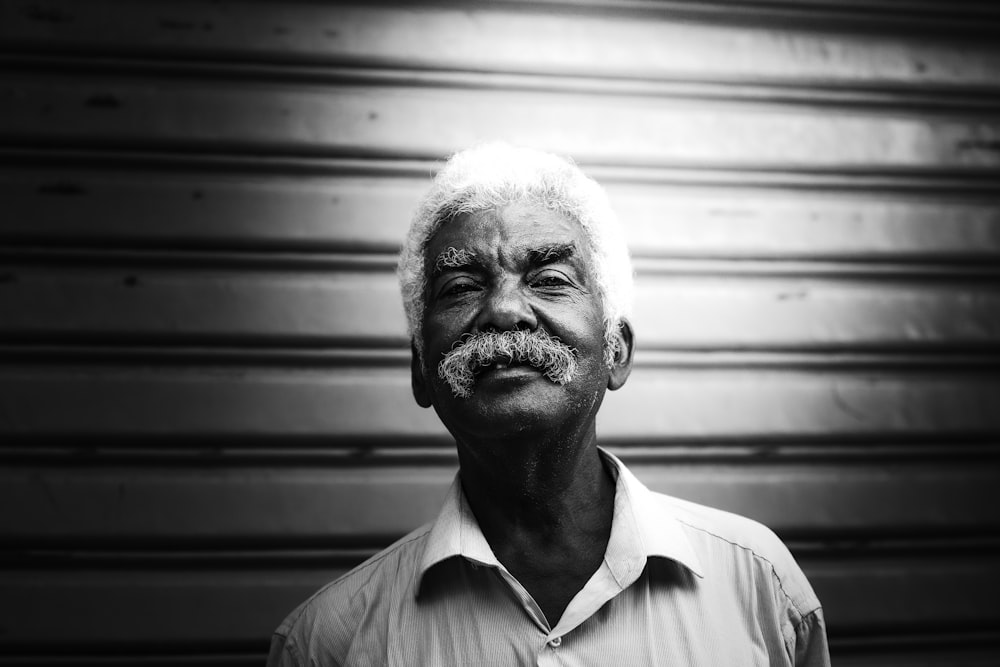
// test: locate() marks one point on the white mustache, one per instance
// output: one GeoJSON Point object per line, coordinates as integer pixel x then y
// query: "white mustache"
{"type": "Point", "coordinates": [547, 353]}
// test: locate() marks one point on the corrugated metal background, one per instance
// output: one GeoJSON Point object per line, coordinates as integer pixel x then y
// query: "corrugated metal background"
{"type": "Point", "coordinates": [204, 397]}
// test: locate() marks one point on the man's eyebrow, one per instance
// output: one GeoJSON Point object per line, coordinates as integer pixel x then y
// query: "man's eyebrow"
{"type": "Point", "coordinates": [453, 258]}
{"type": "Point", "coordinates": [551, 253]}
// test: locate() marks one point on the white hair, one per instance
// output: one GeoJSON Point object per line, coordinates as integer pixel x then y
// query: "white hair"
{"type": "Point", "coordinates": [491, 176]}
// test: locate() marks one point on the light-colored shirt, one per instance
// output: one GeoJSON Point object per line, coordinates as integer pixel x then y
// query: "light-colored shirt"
{"type": "Point", "coordinates": [680, 584]}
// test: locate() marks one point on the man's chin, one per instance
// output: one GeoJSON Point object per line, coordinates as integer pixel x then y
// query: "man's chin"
{"type": "Point", "coordinates": [504, 401]}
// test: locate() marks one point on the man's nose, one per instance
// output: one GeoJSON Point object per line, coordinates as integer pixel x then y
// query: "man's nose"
{"type": "Point", "coordinates": [506, 307]}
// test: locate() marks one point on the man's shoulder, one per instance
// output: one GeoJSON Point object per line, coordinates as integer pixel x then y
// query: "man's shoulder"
{"type": "Point", "coordinates": [370, 579]}
{"type": "Point", "coordinates": [719, 536]}
{"type": "Point", "coordinates": [332, 616]}
{"type": "Point", "coordinates": [720, 525]}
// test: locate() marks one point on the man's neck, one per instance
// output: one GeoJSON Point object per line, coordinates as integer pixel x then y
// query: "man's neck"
{"type": "Point", "coordinates": [545, 508]}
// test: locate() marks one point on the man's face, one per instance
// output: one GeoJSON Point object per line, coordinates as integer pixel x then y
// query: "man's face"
{"type": "Point", "coordinates": [522, 267]}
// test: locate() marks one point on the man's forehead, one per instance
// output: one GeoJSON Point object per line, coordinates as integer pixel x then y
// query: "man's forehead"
{"type": "Point", "coordinates": [519, 227]}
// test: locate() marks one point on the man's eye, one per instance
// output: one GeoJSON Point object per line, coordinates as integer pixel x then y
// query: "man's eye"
{"type": "Point", "coordinates": [550, 280]}
{"type": "Point", "coordinates": [456, 287]}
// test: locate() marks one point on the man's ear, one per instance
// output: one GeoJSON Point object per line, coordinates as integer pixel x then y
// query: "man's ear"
{"type": "Point", "coordinates": [417, 380]}
{"type": "Point", "coordinates": [621, 367]}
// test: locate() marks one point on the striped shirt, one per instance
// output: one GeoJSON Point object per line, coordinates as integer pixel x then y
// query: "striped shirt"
{"type": "Point", "coordinates": [681, 584]}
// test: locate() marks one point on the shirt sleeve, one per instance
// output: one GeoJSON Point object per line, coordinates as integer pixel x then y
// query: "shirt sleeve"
{"type": "Point", "coordinates": [282, 653]}
{"type": "Point", "coordinates": [811, 648]}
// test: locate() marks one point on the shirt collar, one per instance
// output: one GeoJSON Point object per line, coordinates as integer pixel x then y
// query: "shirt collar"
{"type": "Point", "coordinates": [642, 527]}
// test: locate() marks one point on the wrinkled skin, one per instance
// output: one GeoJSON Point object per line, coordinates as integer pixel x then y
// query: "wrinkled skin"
{"type": "Point", "coordinates": [527, 445]}
{"type": "Point", "coordinates": [510, 291]}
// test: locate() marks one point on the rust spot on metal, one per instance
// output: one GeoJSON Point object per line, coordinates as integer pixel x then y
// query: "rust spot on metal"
{"type": "Point", "coordinates": [61, 189]}
{"type": "Point", "coordinates": [103, 101]}
{"type": "Point", "coordinates": [792, 296]}
{"type": "Point", "coordinates": [332, 34]}
{"type": "Point", "coordinates": [372, 115]}
{"type": "Point", "coordinates": [281, 30]}
{"type": "Point", "coordinates": [197, 194]}
{"type": "Point", "coordinates": [8, 278]}
{"type": "Point", "coordinates": [130, 281]}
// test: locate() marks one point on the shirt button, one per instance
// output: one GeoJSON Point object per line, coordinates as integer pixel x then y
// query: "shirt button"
{"type": "Point", "coordinates": [555, 642]}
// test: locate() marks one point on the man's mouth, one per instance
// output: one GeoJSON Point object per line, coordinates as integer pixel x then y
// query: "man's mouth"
{"type": "Point", "coordinates": [517, 355]}
{"type": "Point", "coordinates": [504, 365]}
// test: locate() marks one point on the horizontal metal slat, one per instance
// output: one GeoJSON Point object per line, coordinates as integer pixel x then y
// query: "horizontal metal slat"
{"type": "Point", "coordinates": [282, 504]}
{"type": "Point", "coordinates": [653, 40]}
{"type": "Point", "coordinates": [924, 99]}
{"type": "Point", "coordinates": [707, 404]}
{"type": "Point", "coordinates": [182, 656]}
{"type": "Point", "coordinates": [153, 208]}
{"type": "Point", "coordinates": [934, 185]}
{"type": "Point", "coordinates": [138, 302]}
{"type": "Point", "coordinates": [805, 311]}
{"type": "Point", "coordinates": [924, 651]}
{"type": "Point", "coordinates": [397, 120]}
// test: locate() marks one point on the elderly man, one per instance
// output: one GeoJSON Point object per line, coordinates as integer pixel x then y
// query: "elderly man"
{"type": "Point", "coordinates": [517, 286]}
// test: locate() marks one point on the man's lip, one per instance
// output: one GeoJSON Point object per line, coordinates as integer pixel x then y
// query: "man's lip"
{"type": "Point", "coordinates": [503, 369]}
